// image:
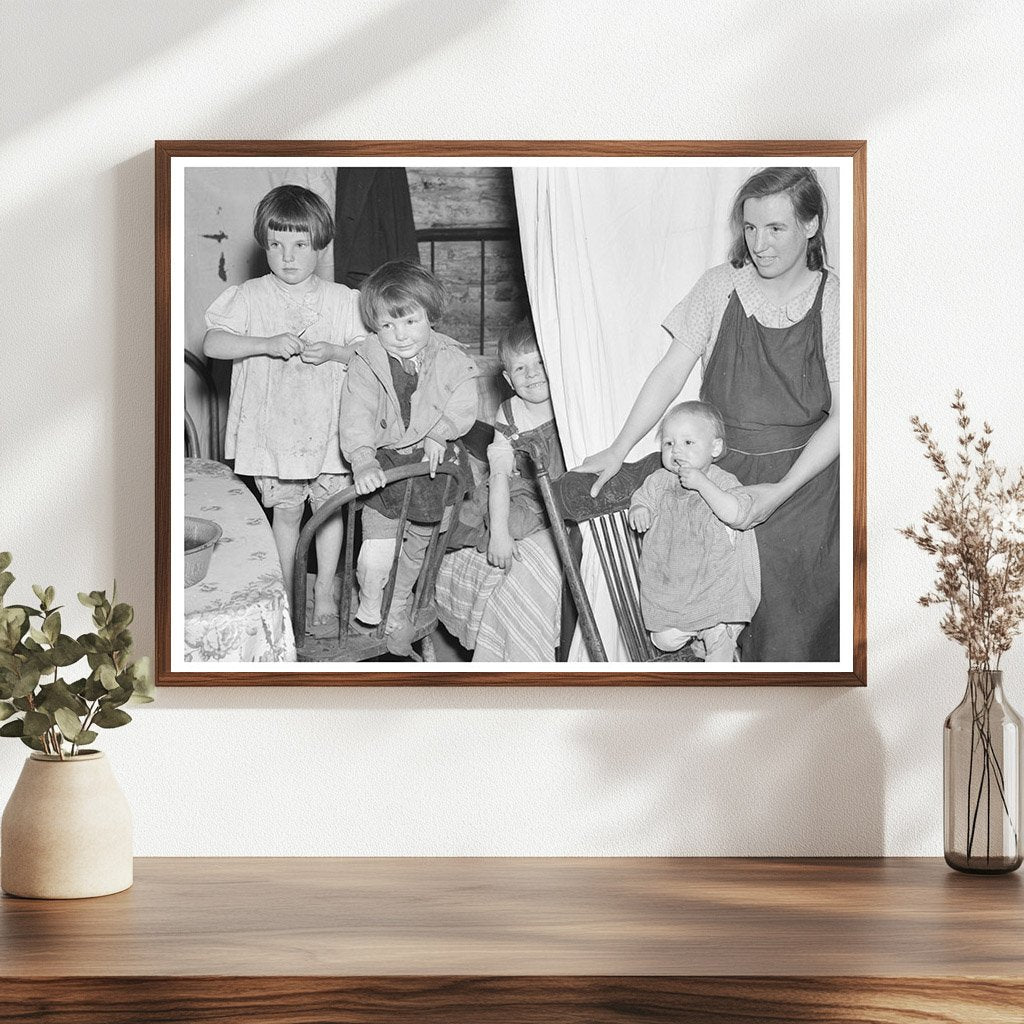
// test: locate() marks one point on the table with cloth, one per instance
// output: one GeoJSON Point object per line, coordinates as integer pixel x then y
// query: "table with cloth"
{"type": "Point", "coordinates": [239, 611]}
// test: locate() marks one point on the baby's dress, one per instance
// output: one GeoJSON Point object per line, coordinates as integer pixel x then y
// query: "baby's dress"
{"type": "Point", "coordinates": [283, 413]}
{"type": "Point", "coordinates": [695, 572]}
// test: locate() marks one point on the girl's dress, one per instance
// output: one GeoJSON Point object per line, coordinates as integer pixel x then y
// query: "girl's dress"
{"type": "Point", "coordinates": [772, 388]}
{"type": "Point", "coordinates": [283, 414]}
{"type": "Point", "coordinates": [695, 572]}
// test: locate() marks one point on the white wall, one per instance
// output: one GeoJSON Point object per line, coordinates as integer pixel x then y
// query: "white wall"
{"type": "Point", "coordinates": [936, 88]}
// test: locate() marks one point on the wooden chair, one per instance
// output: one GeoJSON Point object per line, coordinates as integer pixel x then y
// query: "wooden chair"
{"type": "Point", "coordinates": [354, 643]}
{"type": "Point", "coordinates": [192, 448]}
{"type": "Point", "coordinates": [568, 500]}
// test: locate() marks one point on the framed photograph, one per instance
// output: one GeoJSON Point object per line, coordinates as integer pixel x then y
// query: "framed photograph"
{"type": "Point", "coordinates": [492, 413]}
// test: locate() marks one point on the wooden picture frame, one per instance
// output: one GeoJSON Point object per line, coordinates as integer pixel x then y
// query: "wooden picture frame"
{"type": "Point", "coordinates": [180, 227]}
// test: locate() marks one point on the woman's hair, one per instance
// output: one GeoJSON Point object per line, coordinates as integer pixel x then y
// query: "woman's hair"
{"type": "Point", "coordinates": [518, 340]}
{"type": "Point", "coordinates": [396, 289]}
{"type": "Point", "coordinates": [703, 410]}
{"type": "Point", "coordinates": [802, 186]}
{"type": "Point", "coordinates": [293, 208]}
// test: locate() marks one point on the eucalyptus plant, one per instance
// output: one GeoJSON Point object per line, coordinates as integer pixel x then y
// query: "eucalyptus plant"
{"type": "Point", "coordinates": [46, 712]}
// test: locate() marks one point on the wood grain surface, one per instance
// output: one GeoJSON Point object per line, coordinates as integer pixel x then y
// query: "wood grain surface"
{"type": "Point", "coordinates": [482, 940]}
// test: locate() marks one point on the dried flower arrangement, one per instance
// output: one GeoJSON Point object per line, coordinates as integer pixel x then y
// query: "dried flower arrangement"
{"type": "Point", "coordinates": [975, 529]}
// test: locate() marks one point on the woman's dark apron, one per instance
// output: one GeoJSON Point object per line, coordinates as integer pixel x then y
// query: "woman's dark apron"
{"type": "Point", "coordinates": [772, 390]}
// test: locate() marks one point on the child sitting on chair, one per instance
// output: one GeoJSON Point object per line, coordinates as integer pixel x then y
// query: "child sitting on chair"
{"type": "Point", "coordinates": [699, 579]}
{"type": "Point", "coordinates": [289, 336]}
{"type": "Point", "coordinates": [409, 393]}
{"type": "Point", "coordinates": [514, 506]}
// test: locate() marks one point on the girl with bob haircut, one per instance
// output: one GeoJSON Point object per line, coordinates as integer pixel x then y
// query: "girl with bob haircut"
{"type": "Point", "coordinates": [294, 208]}
{"type": "Point", "coordinates": [289, 335]}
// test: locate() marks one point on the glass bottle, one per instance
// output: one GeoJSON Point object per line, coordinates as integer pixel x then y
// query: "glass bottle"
{"type": "Point", "coordinates": [981, 779]}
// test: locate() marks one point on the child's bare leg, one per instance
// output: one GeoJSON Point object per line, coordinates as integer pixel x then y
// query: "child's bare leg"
{"type": "Point", "coordinates": [328, 552]}
{"type": "Point", "coordinates": [285, 528]}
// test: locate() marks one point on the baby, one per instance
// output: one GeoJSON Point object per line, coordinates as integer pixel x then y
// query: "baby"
{"type": "Point", "coordinates": [699, 579]}
{"type": "Point", "coordinates": [515, 509]}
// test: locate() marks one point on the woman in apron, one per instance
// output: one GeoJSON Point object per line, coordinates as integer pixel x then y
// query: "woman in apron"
{"type": "Point", "coordinates": [765, 326]}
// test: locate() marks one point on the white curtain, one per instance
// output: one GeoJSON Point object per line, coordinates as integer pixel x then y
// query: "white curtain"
{"type": "Point", "coordinates": [607, 252]}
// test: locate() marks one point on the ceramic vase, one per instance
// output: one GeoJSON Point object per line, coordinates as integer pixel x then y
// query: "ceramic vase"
{"type": "Point", "coordinates": [981, 779]}
{"type": "Point", "coordinates": [66, 830]}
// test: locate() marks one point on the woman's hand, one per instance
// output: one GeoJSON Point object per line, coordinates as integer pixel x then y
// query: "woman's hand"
{"type": "Point", "coordinates": [767, 498]}
{"type": "Point", "coordinates": [433, 454]}
{"type": "Point", "coordinates": [501, 549]}
{"type": "Point", "coordinates": [605, 464]}
{"type": "Point", "coordinates": [370, 479]}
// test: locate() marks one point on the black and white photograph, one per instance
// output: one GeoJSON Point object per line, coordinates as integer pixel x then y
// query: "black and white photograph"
{"type": "Point", "coordinates": [483, 417]}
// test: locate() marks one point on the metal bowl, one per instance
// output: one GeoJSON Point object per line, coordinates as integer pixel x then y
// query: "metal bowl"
{"type": "Point", "coordinates": [201, 536]}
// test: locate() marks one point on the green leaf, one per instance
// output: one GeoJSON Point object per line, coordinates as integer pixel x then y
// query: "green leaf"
{"type": "Point", "coordinates": [111, 718]}
{"type": "Point", "coordinates": [50, 595]}
{"type": "Point", "coordinates": [94, 689]}
{"type": "Point", "coordinates": [6, 710]}
{"type": "Point", "coordinates": [5, 560]}
{"type": "Point", "coordinates": [27, 681]}
{"type": "Point", "coordinates": [36, 723]}
{"type": "Point", "coordinates": [142, 681]}
{"type": "Point", "coordinates": [51, 626]}
{"type": "Point", "coordinates": [86, 736]}
{"type": "Point", "coordinates": [115, 698]}
{"type": "Point", "coordinates": [95, 645]}
{"type": "Point", "coordinates": [107, 676]}
{"type": "Point", "coordinates": [6, 579]}
{"type": "Point", "coordinates": [12, 627]}
{"type": "Point", "coordinates": [69, 724]}
{"type": "Point", "coordinates": [38, 636]}
{"type": "Point", "coordinates": [57, 695]}
{"type": "Point", "coordinates": [67, 651]}
{"type": "Point", "coordinates": [15, 728]}
{"type": "Point", "coordinates": [40, 593]}
{"type": "Point", "coordinates": [89, 600]}
{"type": "Point", "coordinates": [31, 741]}
{"type": "Point", "coordinates": [122, 616]}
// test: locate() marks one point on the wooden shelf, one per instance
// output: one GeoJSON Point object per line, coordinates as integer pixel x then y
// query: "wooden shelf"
{"type": "Point", "coordinates": [573, 941]}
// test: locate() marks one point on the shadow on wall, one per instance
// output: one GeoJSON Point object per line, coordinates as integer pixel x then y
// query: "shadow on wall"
{"type": "Point", "coordinates": [924, 37]}
{"type": "Point", "coordinates": [739, 771]}
{"type": "Point", "coordinates": [100, 41]}
{"type": "Point", "coordinates": [395, 38]}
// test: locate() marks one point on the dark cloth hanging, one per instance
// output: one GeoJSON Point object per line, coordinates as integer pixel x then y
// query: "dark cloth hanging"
{"type": "Point", "coordinates": [372, 222]}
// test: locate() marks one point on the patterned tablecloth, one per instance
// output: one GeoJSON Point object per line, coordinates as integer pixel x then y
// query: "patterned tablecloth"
{"type": "Point", "coordinates": [239, 611]}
